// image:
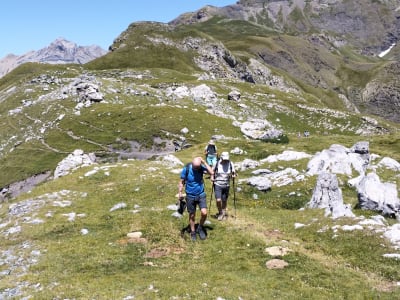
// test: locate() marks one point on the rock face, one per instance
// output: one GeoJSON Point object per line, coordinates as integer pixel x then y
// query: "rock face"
{"type": "Point", "coordinates": [371, 30]}
{"type": "Point", "coordinates": [328, 195]}
{"type": "Point", "coordinates": [60, 51]}
{"type": "Point", "coordinates": [374, 28]}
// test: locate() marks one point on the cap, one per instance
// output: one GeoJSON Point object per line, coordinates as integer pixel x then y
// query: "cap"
{"type": "Point", "coordinates": [225, 156]}
{"type": "Point", "coordinates": [211, 142]}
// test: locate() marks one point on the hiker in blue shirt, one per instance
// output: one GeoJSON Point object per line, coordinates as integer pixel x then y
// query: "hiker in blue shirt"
{"type": "Point", "coordinates": [192, 178]}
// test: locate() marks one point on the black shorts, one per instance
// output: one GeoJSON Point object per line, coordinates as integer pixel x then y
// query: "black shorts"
{"type": "Point", "coordinates": [221, 192]}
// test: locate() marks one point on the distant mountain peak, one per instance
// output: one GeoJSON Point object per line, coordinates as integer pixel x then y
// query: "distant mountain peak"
{"type": "Point", "coordinates": [60, 51]}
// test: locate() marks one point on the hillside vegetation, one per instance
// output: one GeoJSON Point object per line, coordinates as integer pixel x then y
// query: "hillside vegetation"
{"type": "Point", "coordinates": [71, 237]}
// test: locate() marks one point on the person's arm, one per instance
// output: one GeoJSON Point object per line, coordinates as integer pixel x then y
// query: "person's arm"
{"type": "Point", "coordinates": [209, 169]}
{"type": "Point", "coordinates": [234, 174]}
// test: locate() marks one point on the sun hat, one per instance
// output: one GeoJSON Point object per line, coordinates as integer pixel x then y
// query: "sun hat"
{"type": "Point", "coordinates": [225, 156]}
{"type": "Point", "coordinates": [211, 142]}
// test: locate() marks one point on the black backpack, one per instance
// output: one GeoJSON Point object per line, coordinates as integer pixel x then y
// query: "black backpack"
{"type": "Point", "coordinates": [211, 149]}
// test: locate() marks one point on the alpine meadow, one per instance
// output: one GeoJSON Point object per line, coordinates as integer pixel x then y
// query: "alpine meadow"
{"type": "Point", "coordinates": [303, 95]}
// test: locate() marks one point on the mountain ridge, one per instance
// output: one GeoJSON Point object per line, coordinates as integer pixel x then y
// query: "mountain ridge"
{"type": "Point", "coordinates": [60, 51]}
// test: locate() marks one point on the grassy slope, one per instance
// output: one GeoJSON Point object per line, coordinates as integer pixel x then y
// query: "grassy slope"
{"type": "Point", "coordinates": [229, 264]}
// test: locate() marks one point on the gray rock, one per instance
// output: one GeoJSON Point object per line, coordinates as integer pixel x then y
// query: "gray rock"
{"type": "Point", "coordinates": [378, 196]}
{"type": "Point", "coordinates": [260, 130]}
{"type": "Point", "coordinates": [73, 161]}
{"type": "Point", "coordinates": [234, 95]}
{"type": "Point", "coordinates": [338, 160]}
{"type": "Point", "coordinates": [246, 164]}
{"type": "Point", "coordinates": [260, 182]}
{"type": "Point", "coordinates": [389, 163]}
{"type": "Point", "coordinates": [328, 195]}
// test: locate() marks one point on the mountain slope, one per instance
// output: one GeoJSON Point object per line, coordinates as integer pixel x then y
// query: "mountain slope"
{"type": "Point", "coordinates": [60, 51]}
{"type": "Point", "coordinates": [342, 28]}
{"type": "Point", "coordinates": [109, 230]}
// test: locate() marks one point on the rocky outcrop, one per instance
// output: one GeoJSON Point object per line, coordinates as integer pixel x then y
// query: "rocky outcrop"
{"type": "Point", "coordinates": [381, 96]}
{"type": "Point", "coordinates": [73, 161]}
{"type": "Point", "coordinates": [340, 160]}
{"type": "Point", "coordinates": [378, 196]}
{"type": "Point", "coordinates": [260, 130]}
{"type": "Point", "coordinates": [328, 195]}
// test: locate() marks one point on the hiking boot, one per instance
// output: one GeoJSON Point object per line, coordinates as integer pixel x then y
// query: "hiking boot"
{"type": "Point", "coordinates": [221, 217]}
{"type": "Point", "coordinates": [201, 232]}
{"type": "Point", "coordinates": [193, 236]}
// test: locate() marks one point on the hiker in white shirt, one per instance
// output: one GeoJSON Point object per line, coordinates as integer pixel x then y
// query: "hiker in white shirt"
{"type": "Point", "coordinates": [224, 170]}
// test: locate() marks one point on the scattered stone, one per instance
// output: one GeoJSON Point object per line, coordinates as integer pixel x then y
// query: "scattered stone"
{"type": "Point", "coordinates": [276, 264]}
{"type": "Point", "coordinates": [118, 206]}
{"type": "Point", "coordinates": [392, 255]}
{"type": "Point", "coordinates": [134, 235]}
{"type": "Point", "coordinates": [298, 225]}
{"type": "Point", "coordinates": [234, 95]}
{"type": "Point", "coordinates": [277, 251]}
{"type": "Point", "coordinates": [237, 151]}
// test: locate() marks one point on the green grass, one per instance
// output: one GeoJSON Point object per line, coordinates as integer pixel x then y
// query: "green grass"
{"type": "Point", "coordinates": [103, 265]}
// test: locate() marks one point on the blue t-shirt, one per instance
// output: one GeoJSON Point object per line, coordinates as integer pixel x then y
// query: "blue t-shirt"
{"type": "Point", "coordinates": [194, 180]}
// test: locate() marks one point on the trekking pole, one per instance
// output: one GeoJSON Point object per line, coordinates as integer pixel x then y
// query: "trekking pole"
{"type": "Point", "coordinates": [234, 195]}
{"type": "Point", "coordinates": [212, 192]}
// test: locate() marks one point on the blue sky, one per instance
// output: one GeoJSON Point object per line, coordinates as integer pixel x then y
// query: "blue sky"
{"type": "Point", "coordinates": [27, 25]}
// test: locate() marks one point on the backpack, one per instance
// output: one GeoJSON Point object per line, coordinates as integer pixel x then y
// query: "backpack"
{"type": "Point", "coordinates": [187, 170]}
{"type": "Point", "coordinates": [211, 149]}
{"type": "Point", "coordinates": [216, 167]}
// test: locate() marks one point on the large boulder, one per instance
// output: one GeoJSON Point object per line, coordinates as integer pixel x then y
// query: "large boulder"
{"type": "Point", "coordinates": [262, 183]}
{"type": "Point", "coordinates": [378, 196]}
{"type": "Point", "coordinates": [328, 195]}
{"type": "Point", "coordinates": [339, 160]}
{"type": "Point", "coordinates": [88, 91]}
{"type": "Point", "coordinates": [389, 163]}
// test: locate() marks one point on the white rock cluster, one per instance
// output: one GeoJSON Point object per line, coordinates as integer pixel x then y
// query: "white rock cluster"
{"type": "Point", "coordinates": [73, 161]}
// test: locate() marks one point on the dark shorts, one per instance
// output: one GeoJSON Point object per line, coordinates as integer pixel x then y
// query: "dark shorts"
{"type": "Point", "coordinates": [221, 192]}
{"type": "Point", "coordinates": [193, 201]}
